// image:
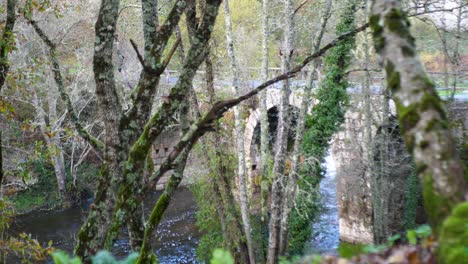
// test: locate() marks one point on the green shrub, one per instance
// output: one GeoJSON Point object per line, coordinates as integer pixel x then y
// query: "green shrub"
{"type": "Point", "coordinates": [102, 257]}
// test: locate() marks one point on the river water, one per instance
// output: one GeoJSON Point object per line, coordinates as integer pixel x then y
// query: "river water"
{"type": "Point", "coordinates": [325, 231]}
{"type": "Point", "coordinates": [177, 235]}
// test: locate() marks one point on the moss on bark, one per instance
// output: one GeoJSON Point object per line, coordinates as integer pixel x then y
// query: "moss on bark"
{"type": "Point", "coordinates": [454, 236]}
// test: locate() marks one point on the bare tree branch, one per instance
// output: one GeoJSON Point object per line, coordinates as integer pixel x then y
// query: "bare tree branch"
{"type": "Point", "coordinates": [94, 142]}
{"type": "Point", "coordinates": [140, 58]}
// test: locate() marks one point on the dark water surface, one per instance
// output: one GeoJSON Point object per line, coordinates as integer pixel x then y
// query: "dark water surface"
{"type": "Point", "coordinates": [175, 242]}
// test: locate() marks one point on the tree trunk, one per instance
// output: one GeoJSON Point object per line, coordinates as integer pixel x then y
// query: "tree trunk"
{"type": "Point", "coordinates": [220, 206]}
{"type": "Point", "coordinates": [279, 177]}
{"type": "Point", "coordinates": [264, 127]}
{"type": "Point", "coordinates": [456, 51]}
{"type": "Point", "coordinates": [291, 187]}
{"type": "Point", "coordinates": [92, 234]}
{"type": "Point", "coordinates": [52, 140]}
{"type": "Point", "coordinates": [1, 165]}
{"type": "Point", "coordinates": [421, 113]}
{"type": "Point", "coordinates": [5, 42]}
{"type": "Point", "coordinates": [241, 173]}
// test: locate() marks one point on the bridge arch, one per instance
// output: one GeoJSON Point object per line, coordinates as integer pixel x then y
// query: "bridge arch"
{"type": "Point", "coordinates": [252, 158]}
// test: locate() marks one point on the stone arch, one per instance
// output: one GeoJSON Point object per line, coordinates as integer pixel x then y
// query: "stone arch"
{"type": "Point", "coordinates": [273, 100]}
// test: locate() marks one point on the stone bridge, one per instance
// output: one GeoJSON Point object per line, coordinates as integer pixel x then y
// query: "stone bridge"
{"type": "Point", "coordinates": [348, 149]}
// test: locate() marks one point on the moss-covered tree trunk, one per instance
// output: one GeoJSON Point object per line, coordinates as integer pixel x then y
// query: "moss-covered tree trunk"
{"type": "Point", "coordinates": [123, 129]}
{"type": "Point", "coordinates": [93, 233]}
{"type": "Point", "coordinates": [149, 10]}
{"type": "Point", "coordinates": [6, 43]}
{"type": "Point", "coordinates": [421, 113]}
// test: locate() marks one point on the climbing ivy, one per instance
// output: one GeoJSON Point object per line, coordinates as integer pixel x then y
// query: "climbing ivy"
{"type": "Point", "coordinates": [321, 125]}
{"type": "Point", "coordinates": [328, 114]}
{"type": "Point", "coordinates": [412, 197]}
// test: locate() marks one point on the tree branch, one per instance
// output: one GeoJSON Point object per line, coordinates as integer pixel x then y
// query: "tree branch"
{"type": "Point", "coordinates": [425, 12]}
{"type": "Point", "coordinates": [94, 142]}
{"type": "Point", "coordinates": [171, 53]}
{"type": "Point", "coordinates": [6, 40]}
{"type": "Point", "coordinates": [152, 70]}
{"type": "Point", "coordinates": [364, 70]}
{"type": "Point", "coordinates": [300, 6]}
{"type": "Point", "coordinates": [140, 58]}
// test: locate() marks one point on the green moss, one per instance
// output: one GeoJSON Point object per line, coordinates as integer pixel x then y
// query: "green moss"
{"type": "Point", "coordinates": [397, 23]}
{"type": "Point", "coordinates": [433, 101]}
{"type": "Point", "coordinates": [393, 20]}
{"type": "Point", "coordinates": [393, 77]}
{"type": "Point", "coordinates": [379, 40]}
{"type": "Point", "coordinates": [424, 144]}
{"type": "Point", "coordinates": [408, 115]}
{"type": "Point", "coordinates": [420, 168]}
{"type": "Point", "coordinates": [408, 51]}
{"type": "Point", "coordinates": [437, 207]}
{"type": "Point", "coordinates": [454, 236]}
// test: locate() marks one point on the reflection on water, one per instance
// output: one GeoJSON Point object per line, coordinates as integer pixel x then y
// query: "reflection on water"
{"type": "Point", "coordinates": [325, 231]}
{"type": "Point", "coordinates": [176, 240]}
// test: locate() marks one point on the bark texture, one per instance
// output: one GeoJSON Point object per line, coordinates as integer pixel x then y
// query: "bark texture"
{"type": "Point", "coordinates": [264, 139]}
{"type": "Point", "coordinates": [149, 10]}
{"type": "Point", "coordinates": [92, 234]}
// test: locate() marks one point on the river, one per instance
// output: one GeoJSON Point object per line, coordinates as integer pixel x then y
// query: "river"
{"type": "Point", "coordinates": [177, 235]}
{"type": "Point", "coordinates": [325, 230]}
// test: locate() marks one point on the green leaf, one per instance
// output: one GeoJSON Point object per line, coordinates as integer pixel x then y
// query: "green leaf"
{"type": "Point", "coordinates": [423, 231]}
{"type": "Point", "coordinates": [412, 237]}
{"type": "Point", "coordinates": [221, 256]}
{"type": "Point", "coordinates": [393, 239]}
{"type": "Point", "coordinates": [317, 259]}
{"type": "Point", "coordinates": [103, 257]}
{"type": "Point", "coordinates": [61, 257]}
{"type": "Point", "coordinates": [374, 249]}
